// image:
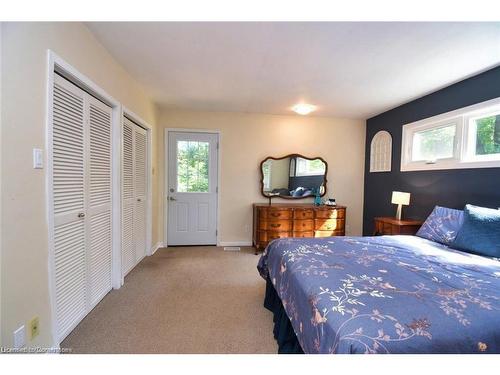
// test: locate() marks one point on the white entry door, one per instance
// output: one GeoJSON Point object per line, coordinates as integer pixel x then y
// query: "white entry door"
{"type": "Point", "coordinates": [192, 188]}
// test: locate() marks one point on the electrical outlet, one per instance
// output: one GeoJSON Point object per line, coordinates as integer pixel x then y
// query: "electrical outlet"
{"type": "Point", "coordinates": [247, 228]}
{"type": "Point", "coordinates": [34, 326]}
{"type": "Point", "coordinates": [19, 337]}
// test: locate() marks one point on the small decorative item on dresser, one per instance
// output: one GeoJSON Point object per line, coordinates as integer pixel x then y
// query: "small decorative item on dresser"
{"type": "Point", "coordinates": [330, 202]}
{"type": "Point", "coordinates": [390, 226]}
{"type": "Point", "coordinates": [317, 198]}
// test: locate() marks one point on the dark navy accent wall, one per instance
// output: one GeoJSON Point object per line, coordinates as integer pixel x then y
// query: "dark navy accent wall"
{"type": "Point", "coordinates": [451, 188]}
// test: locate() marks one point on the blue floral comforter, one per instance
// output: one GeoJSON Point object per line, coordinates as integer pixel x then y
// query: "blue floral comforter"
{"type": "Point", "coordinates": [388, 294]}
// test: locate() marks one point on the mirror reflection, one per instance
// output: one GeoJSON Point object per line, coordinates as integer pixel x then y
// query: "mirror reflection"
{"type": "Point", "coordinates": [293, 176]}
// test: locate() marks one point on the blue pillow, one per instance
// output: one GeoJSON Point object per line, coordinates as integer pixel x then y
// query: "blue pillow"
{"type": "Point", "coordinates": [442, 225]}
{"type": "Point", "coordinates": [480, 232]}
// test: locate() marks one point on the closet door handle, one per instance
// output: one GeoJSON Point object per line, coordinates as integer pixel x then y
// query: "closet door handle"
{"type": "Point", "coordinates": [81, 215]}
{"type": "Point", "coordinates": [139, 199]}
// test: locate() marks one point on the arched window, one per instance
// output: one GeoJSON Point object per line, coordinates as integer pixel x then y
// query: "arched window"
{"type": "Point", "coordinates": [381, 152]}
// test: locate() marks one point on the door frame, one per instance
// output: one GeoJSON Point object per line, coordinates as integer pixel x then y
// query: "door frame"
{"type": "Point", "coordinates": [165, 177]}
{"type": "Point", "coordinates": [56, 64]}
{"type": "Point", "coordinates": [149, 179]}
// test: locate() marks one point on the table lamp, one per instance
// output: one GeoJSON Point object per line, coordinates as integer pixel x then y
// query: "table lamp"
{"type": "Point", "coordinates": [400, 199]}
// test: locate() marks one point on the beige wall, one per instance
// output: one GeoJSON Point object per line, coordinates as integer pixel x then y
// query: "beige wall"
{"type": "Point", "coordinates": [24, 268]}
{"type": "Point", "coordinates": [246, 139]}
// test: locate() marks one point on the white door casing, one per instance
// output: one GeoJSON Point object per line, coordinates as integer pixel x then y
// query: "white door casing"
{"type": "Point", "coordinates": [192, 198]}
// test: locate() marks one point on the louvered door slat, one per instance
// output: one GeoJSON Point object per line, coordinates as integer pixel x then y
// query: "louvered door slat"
{"type": "Point", "coordinates": [65, 171]}
{"type": "Point", "coordinates": [128, 246]}
{"type": "Point", "coordinates": [128, 160]}
{"type": "Point", "coordinates": [140, 188]}
{"type": "Point", "coordinates": [68, 200]}
{"type": "Point", "coordinates": [128, 249]}
{"type": "Point", "coordinates": [100, 231]}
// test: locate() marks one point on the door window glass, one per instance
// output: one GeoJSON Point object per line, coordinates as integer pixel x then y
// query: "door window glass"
{"type": "Point", "coordinates": [192, 166]}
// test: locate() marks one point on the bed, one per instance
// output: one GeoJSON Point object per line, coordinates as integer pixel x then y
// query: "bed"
{"type": "Point", "coordinates": [387, 294]}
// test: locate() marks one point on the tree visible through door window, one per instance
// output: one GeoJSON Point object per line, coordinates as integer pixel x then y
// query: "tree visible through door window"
{"type": "Point", "coordinates": [192, 166]}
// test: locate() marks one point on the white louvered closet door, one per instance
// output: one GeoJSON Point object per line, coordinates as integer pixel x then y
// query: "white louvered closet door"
{"type": "Point", "coordinates": [128, 198]}
{"type": "Point", "coordinates": [140, 191]}
{"type": "Point", "coordinates": [81, 178]}
{"type": "Point", "coordinates": [134, 194]}
{"type": "Point", "coordinates": [68, 180]}
{"type": "Point", "coordinates": [99, 230]}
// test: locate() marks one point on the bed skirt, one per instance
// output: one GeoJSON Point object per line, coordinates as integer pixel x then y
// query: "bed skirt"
{"type": "Point", "coordinates": [283, 331]}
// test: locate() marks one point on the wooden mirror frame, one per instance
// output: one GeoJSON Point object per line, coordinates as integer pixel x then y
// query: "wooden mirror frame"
{"type": "Point", "coordinates": [284, 157]}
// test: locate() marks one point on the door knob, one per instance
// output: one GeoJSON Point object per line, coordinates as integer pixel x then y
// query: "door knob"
{"type": "Point", "coordinates": [172, 198]}
{"type": "Point", "coordinates": [139, 199]}
{"type": "Point", "coordinates": [81, 215]}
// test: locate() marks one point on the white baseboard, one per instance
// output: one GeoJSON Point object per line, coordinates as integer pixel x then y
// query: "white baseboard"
{"type": "Point", "coordinates": [156, 247]}
{"type": "Point", "coordinates": [235, 243]}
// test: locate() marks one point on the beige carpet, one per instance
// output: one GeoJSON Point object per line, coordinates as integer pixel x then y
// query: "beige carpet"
{"type": "Point", "coordinates": [182, 300]}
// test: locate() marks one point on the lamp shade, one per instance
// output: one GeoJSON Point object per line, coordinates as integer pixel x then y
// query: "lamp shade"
{"type": "Point", "coordinates": [398, 197]}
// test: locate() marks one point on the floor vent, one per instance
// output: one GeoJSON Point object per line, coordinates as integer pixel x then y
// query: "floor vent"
{"type": "Point", "coordinates": [232, 248]}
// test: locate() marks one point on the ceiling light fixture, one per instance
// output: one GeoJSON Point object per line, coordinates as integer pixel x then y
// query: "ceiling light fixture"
{"type": "Point", "coordinates": [303, 108]}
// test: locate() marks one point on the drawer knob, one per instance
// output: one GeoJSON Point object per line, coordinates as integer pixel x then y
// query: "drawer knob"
{"type": "Point", "coordinates": [275, 225]}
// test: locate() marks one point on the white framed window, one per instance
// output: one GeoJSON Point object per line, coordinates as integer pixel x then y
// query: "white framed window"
{"type": "Point", "coordinates": [306, 167]}
{"type": "Point", "coordinates": [465, 138]}
{"type": "Point", "coordinates": [266, 171]}
{"type": "Point", "coordinates": [381, 152]}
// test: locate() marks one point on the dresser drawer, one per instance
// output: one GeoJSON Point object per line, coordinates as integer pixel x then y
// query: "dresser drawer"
{"type": "Point", "coordinates": [330, 213]}
{"type": "Point", "coordinates": [386, 228]}
{"type": "Point", "coordinates": [272, 235]}
{"type": "Point", "coordinates": [303, 214]}
{"type": "Point", "coordinates": [279, 213]}
{"type": "Point", "coordinates": [276, 225]}
{"type": "Point", "coordinates": [303, 234]}
{"type": "Point", "coordinates": [329, 224]}
{"type": "Point", "coordinates": [303, 225]}
{"type": "Point", "coordinates": [328, 233]}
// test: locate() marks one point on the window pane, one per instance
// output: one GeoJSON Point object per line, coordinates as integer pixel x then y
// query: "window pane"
{"type": "Point", "coordinates": [192, 166]}
{"type": "Point", "coordinates": [434, 144]}
{"type": "Point", "coordinates": [488, 135]}
{"type": "Point", "coordinates": [310, 167]}
{"type": "Point", "coordinates": [266, 170]}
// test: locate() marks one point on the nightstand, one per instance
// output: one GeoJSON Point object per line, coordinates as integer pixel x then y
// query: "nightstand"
{"type": "Point", "coordinates": [391, 225]}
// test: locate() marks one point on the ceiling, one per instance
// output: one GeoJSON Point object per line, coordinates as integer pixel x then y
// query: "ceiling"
{"type": "Point", "coordinates": [352, 70]}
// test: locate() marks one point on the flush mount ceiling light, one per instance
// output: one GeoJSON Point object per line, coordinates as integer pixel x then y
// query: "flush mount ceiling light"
{"type": "Point", "coordinates": [303, 108]}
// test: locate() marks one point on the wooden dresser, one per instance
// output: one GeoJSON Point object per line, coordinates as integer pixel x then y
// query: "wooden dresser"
{"type": "Point", "coordinates": [295, 220]}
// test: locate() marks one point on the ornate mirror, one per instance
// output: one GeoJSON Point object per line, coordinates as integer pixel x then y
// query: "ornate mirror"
{"type": "Point", "coordinates": [293, 176]}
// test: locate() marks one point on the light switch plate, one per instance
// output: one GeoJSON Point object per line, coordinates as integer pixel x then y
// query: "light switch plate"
{"type": "Point", "coordinates": [19, 337]}
{"type": "Point", "coordinates": [37, 158]}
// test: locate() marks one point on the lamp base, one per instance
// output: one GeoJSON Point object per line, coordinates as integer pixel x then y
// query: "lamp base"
{"type": "Point", "coordinates": [399, 211]}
